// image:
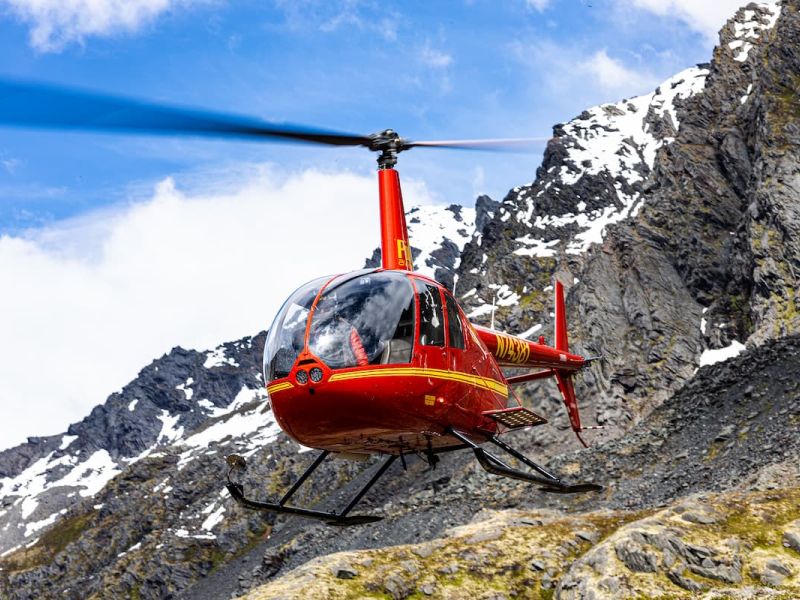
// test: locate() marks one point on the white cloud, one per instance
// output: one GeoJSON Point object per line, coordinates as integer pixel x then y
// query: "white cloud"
{"type": "Point", "coordinates": [704, 16]}
{"type": "Point", "coordinates": [539, 5]}
{"type": "Point", "coordinates": [611, 74]}
{"type": "Point", "coordinates": [567, 70]}
{"type": "Point", "coordinates": [86, 304]}
{"type": "Point", "coordinates": [334, 15]}
{"type": "Point", "coordinates": [438, 63]}
{"type": "Point", "coordinates": [58, 23]}
{"type": "Point", "coordinates": [9, 164]}
{"type": "Point", "coordinates": [435, 59]}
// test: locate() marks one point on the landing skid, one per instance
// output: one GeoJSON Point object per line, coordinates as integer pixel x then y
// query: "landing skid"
{"type": "Point", "coordinates": [237, 463]}
{"type": "Point", "coordinates": [548, 481]}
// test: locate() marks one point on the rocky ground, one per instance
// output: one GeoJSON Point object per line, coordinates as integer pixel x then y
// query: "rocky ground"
{"type": "Point", "coordinates": [733, 545]}
{"type": "Point", "coordinates": [703, 495]}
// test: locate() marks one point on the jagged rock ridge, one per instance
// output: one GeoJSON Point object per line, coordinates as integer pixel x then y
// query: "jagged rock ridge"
{"type": "Point", "coordinates": [703, 254]}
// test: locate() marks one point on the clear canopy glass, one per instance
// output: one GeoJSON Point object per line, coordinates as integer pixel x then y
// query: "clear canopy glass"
{"type": "Point", "coordinates": [287, 335]}
{"type": "Point", "coordinates": [364, 320]}
{"type": "Point", "coordinates": [360, 319]}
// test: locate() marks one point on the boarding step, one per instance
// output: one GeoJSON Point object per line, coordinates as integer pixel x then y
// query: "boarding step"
{"type": "Point", "coordinates": [515, 418]}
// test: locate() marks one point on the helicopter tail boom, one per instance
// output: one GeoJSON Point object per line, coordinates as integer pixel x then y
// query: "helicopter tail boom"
{"type": "Point", "coordinates": [556, 361]}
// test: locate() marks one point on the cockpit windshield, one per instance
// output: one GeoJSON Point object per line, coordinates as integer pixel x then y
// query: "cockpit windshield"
{"type": "Point", "coordinates": [287, 334]}
{"type": "Point", "coordinates": [368, 319]}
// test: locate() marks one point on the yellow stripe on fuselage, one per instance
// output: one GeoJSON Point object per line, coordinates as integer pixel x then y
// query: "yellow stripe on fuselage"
{"type": "Point", "coordinates": [474, 380]}
{"type": "Point", "coordinates": [279, 387]}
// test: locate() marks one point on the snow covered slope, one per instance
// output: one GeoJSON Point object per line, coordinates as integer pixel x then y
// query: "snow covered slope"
{"type": "Point", "coordinates": [612, 144]}
{"type": "Point", "coordinates": [186, 402]}
{"type": "Point", "coordinates": [437, 234]}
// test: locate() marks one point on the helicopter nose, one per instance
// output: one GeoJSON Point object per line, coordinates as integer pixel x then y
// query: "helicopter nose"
{"type": "Point", "coordinates": [309, 371]}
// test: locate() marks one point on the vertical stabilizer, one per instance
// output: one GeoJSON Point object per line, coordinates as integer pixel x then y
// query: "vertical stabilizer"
{"type": "Point", "coordinates": [562, 342]}
{"type": "Point", "coordinates": [564, 378]}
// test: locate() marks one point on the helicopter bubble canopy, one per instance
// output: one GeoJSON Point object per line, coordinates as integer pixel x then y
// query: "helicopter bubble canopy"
{"type": "Point", "coordinates": [361, 318]}
{"type": "Point", "coordinates": [286, 336]}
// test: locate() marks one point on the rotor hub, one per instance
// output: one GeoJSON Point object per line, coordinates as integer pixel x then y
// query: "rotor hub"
{"type": "Point", "coordinates": [389, 144]}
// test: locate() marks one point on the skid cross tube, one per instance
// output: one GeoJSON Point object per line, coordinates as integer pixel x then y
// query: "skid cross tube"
{"type": "Point", "coordinates": [522, 458]}
{"type": "Point", "coordinates": [317, 462]}
{"type": "Point", "coordinates": [547, 481]}
{"type": "Point", "coordinates": [370, 483]}
{"type": "Point", "coordinates": [331, 518]}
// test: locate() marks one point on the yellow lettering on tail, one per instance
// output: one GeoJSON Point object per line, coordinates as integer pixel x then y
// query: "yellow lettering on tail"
{"type": "Point", "coordinates": [512, 350]}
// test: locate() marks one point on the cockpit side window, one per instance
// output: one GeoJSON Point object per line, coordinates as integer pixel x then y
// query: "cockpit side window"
{"type": "Point", "coordinates": [431, 318]}
{"type": "Point", "coordinates": [455, 331]}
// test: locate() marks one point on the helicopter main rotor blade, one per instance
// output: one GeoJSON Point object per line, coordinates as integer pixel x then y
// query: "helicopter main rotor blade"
{"type": "Point", "coordinates": [27, 104]}
{"type": "Point", "coordinates": [509, 144]}
{"type": "Point", "coordinates": [24, 104]}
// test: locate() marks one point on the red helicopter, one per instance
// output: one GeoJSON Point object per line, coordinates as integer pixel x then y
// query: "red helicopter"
{"type": "Point", "coordinates": [371, 361]}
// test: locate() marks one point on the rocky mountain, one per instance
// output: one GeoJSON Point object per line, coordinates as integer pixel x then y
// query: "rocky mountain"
{"type": "Point", "coordinates": [675, 217]}
{"type": "Point", "coordinates": [672, 214]}
{"type": "Point", "coordinates": [174, 396]}
{"type": "Point", "coordinates": [438, 234]}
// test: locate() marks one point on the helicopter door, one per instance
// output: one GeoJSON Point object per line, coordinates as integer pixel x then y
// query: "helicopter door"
{"type": "Point", "coordinates": [432, 353]}
{"type": "Point", "coordinates": [455, 335]}
{"type": "Point", "coordinates": [456, 350]}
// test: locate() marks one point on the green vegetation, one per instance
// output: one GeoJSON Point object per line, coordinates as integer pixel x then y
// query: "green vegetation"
{"type": "Point", "coordinates": [51, 543]}
{"type": "Point", "coordinates": [761, 524]}
{"type": "Point", "coordinates": [135, 593]}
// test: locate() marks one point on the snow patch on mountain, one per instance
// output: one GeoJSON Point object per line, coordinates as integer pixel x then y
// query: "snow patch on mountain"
{"type": "Point", "coordinates": [713, 356]}
{"type": "Point", "coordinates": [218, 358]}
{"type": "Point", "coordinates": [431, 227]}
{"type": "Point", "coordinates": [170, 430]}
{"type": "Point", "coordinates": [66, 441]}
{"type": "Point", "coordinates": [751, 28]}
{"type": "Point", "coordinates": [186, 388]}
{"type": "Point", "coordinates": [617, 137]}
{"type": "Point", "coordinates": [613, 140]}
{"type": "Point", "coordinates": [437, 235]}
{"type": "Point", "coordinates": [250, 429]}
{"type": "Point", "coordinates": [85, 477]}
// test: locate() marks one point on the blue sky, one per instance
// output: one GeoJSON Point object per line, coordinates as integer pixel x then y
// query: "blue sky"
{"type": "Point", "coordinates": [427, 69]}
{"type": "Point", "coordinates": [115, 249]}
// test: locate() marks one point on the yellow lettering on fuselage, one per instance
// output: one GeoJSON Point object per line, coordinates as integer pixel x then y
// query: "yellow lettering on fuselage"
{"type": "Point", "coordinates": [512, 350]}
{"type": "Point", "coordinates": [404, 255]}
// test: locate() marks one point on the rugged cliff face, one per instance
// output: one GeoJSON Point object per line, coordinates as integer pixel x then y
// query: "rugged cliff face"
{"type": "Point", "coordinates": [675, 218]}
{"type": "Point", "coordinates": [438, 235]}
{"type": "Point", "coordinates": [688, 197]}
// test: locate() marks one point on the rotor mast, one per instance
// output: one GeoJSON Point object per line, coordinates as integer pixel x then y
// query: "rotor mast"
{"type": "Point", "coordinates": [395, 249]}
